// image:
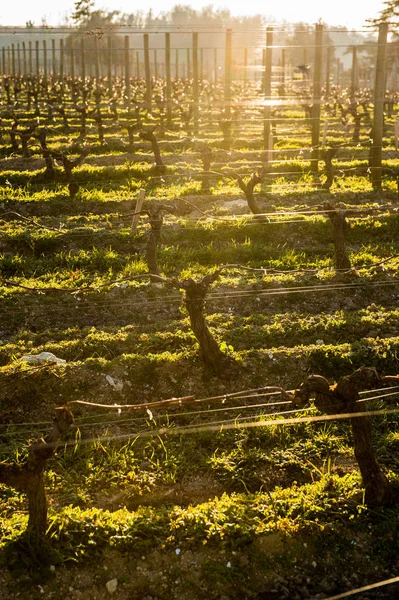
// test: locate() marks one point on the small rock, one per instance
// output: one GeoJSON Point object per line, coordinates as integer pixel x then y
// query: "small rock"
{"type": "Point", "coordinates": [42, 358]}
{"type": "Point", "coordinates": [111, 586]}
{"type": "Point", "coordinates": [115, 383]}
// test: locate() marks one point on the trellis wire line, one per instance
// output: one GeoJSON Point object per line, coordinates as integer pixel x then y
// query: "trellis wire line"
{"type": "Point", "coordinates": [250, 216]}
{"type": "Point", "coordinates": [190, 413]}
{"type": "Point", "coordinates": [178, 226]}
{"type": "Point", "coordinates": [226, 409]}
{"type": "Point", "coordinates": [383, 389]}
{"type": "Point", "coordinates": [203, 400]}
{"type": "Point", "coordinates": [188, 399]}
{"type": "Point", "coordinates": [34, 433]}
{"type": "Point", "coordinates": [178, 300]}
{"type": "Point", "coordinates": [231, 426]}
{"type": "Point", "coordinates": [151, 177]}
{"type": "Point", "coordinates": [173, 416]}
{"type": "Point", "coordinates": [299, 289]}
{"type": "Point", "coordinates": [365, 588]}
{"type": "Point", "coordinates": [117, 421]}
{"type": "Point", "coordinates": [210, 295]}
{"type": "Point", "coordinates": [139, 304]}
{"type": "Point", "coordinates": [293, 186]}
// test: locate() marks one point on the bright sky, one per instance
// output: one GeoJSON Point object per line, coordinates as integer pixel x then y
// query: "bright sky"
{"type": "Point", "coordinates": [351, 13]}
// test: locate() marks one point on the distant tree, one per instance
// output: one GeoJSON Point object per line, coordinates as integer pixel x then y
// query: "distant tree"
{"type": "Point", "coordinates": [82, 11]}
{"type": "Point", "coordinates": [388, 14]}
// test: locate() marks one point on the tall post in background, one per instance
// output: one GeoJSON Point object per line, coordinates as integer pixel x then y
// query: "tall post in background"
{"type": "Point", "coordinates": [24, 58]}
{"type": "Point", "coordinates": [109, 66]}
{"type": "Point", "coordinates": [83, 59]}
{"type": "Point", "coordinates": [245, 66]}
{"type": "Point", "coordinates": [148, 86]}
{"type": "Point", "coordinates": [227, 76]}
{"type": "Point", "coordinates": [215, 65]}
{"type": "Point", "coordinates": [3, 56]}
{"type": "Point", "coordinates": [62, 61]}
{"type": "Point", "coordinates": [328, 69]}
{"type": "Point", "coordinates": [45, 62]}
{"type": "Point", "coordinates": [37, 58]}
{"type": "Point", "coordinates": [13, 70]}
{"type": "Point", "coordinates": [188, 64]}
{"type": "Point", "coordinates": [30, 59]}
{"type": "Point", "coordinates": [353, 71]}
{"type": "Point", "coordinates": [314, 163]}
{"type": "Point", "coordinates": [18, 59]}
{"type": "Point", "coordinates": [72, 49]}
{"type": "Point", "coordinates": [283, 72]}
{"type": "Point", "coordinates": [379, 97]}
{"type": "Point", "coordinates": [267, 87]}
{"type": "Point", "coordinates": [195, 82]}
{"type": "Point", "coordinates": [168, 80]}
{"type": "Point", "coordinates": [54, 59]}
{"type": "Point", "coordinates": [127, 69]}
{"type": "Point", "coordinates": [177, 63]}
{"type": "Point", "coordinates": [97, 70]}
{"type": "Point", "coordinates": [155, 64]}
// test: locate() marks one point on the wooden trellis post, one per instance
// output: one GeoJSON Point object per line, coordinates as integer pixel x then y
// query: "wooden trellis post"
{"type": "Point", "coordinates": [109, 66]}
{"type": "Point", "coordinates": [30, 60]}
{"type": "Point", "coordinates": [97, 65]}
{"type": "Point", "coordinates": [267, 87]}
{"type": "Point", "coordinates": [61, 74]}
{"type": "Point", "coordinates": [72, 51]}
{"type": "Point", "coordinates": [19, 59]}
{"type": "Point", "coordinates": [177, 63]}
{"type": "Point", "coordinates": [24, 58]}
{"type": "Point", "coordinates": [137, 212]}
{"type": "Point", "coordinates": [13, 69]}
{"type": "Point", "coordinates": [54, 60]}
{"type": "Point", "coordinates": [155, 64]}
{"type": "Point", "coordinates": [353, 71]}
{"type": "Point", "coordinates": [37, 58]}
{"type": "Point", "coordinates": [168, 81]}
{"type": "Point", "coordinates": [328, 69]}
{"type": "Point", "coordinates": [215, 65]}
{"type": "Point", "coordinates": [195, 83]}
{"type": "Point", "coordinates": [83, 59]}
{"type": "Point", "coordinates": [148, 86]}
{"type": "Point", "coordinates": [45, 62]}
{"type": "Point", "coordinates": [316, 98]}
{"type": "Point", "coordinates": [379, 96]}
{"type": "Point", "coordinates": [3, 55]}
{"type": "Point", "coordinates": [188, 73]}
{"type": "Point", "coordinates": [282, 89]}
{"type": "Point", "coordinates": [227, 76]}
{"type": "Point", "coordinates": [338, 79]}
